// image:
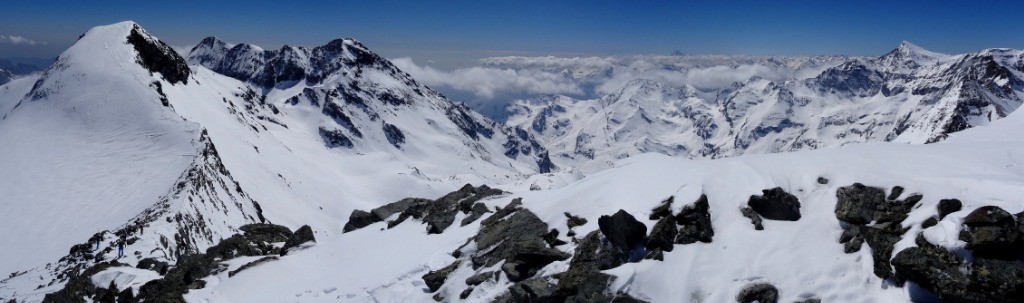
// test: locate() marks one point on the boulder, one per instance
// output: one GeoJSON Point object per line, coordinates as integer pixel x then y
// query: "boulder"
{"type": "Point", "coordinates": [776, 204]}
{"type": "Point", "coordinates": [159, 267]}
{"type": "Point", "coordinates": [895, 193]}
{"type": "Point", "coordinates": [623, 230]}
{"type": "Point", "coordinates": [479, 278]}
{"type": "Point", "coordinates": [760, 293]}
{"type": "Point", "coordinates": [948, 206]}
{"type": "Point", "coordinates": [574, 221]}
{"type": "Point", "coordinates": [822, 180]}
{"type": "Point", "coordinates": [859, 204]}
{"type": "Point", "coordinates": [302, 235]}
{"type": "Point", "coordinates": [515, 236]}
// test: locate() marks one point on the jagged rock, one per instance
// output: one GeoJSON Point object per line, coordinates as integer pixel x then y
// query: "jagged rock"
{"type": "Point", "coordinates": [479, 278]}
{"type": "Point", "coordinates": [465, 293]}
{"type": "Point", "coordinates": [436, 278]}
{"type": "Point", "coordinates": [656, 254]}
{"type": "Point", "coordinates": [154, 265]}
{"type": "Point", "coordinates": [302, 235]}
{"type": "Point", "coordinates": [944, 274]}
{"type": "Point", "coordinates": [992, 232]}
{"type": "Point", "coordinates": [695, 223]}
{"type": "Point", "coordinates": [359, 219]}
{"type": "Point", "coordinates": [895, 193]}
{"type": "Point", "coordinates": [663, 235]}
{"type": "Point", "coordinates": [441, 213]}
{"type": "Point", "coordinates": [761, 293]}
{"type": "Point", "coordinates": [80, 285]}
{"type": "Point", "coordinates": [776, 204]}
{"type": "Point", "coordinates": [552, 238]}
{"type": "Point", "coordinates": [948, 206]}
{"type": "Point", "coordinates": [516, 236]}
{"type": "Point", "coordinates": [663, 210]}
{"type": "Point", "coordinates": [755, 219]}
{"type": "Point", "coordinates": [859, 204]}
{"type": "Point", "coordinates": [624, 232]}
{"type": "Point", "coordinates": [530, 290]}
{"type": "Point", "coordinates": [479, 209]}
{"type": "Point", "coordinates": [573, 222]}
{"type": "Point", "coordinates": [584, 281]}
{"type": "Point", "coordinates": [157, 57]}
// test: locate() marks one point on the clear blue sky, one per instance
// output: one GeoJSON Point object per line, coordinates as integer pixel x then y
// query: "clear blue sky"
{"type": "Point", "coordinates": [455, 33]}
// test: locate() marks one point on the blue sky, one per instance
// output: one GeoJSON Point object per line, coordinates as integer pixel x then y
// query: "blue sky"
{"type": "Point", "coordinates": [456, 33]}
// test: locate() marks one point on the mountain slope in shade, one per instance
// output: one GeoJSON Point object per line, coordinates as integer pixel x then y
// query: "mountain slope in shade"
{"type": "Point", "coordinates": [908, 95]}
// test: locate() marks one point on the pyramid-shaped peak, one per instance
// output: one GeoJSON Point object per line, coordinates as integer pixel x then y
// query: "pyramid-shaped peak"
{"type": "Point", "coordinates": [911, 51]}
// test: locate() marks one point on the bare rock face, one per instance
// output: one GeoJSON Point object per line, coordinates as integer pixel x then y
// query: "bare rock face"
{"type": "Point", "coordinates": [859, 205]}
{"type": "Point", "coordinates": [991, 232]}
{"type": "Point", "coordinates": [625, 233]}
{"type": "Point", "coordinates": [760, 293]}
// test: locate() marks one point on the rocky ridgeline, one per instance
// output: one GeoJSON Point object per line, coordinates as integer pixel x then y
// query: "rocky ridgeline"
{"type": "Point", "coordinates": [872, 217]}
{"type": "Point", "coordinates": [257, 240]}
{"type": "Point", "coordinates": [437, 214]}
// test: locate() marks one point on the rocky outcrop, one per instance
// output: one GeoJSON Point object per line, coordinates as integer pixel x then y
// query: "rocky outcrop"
{"type": "Point", "coordinates": [991, 232]}
{"type": "Point", "coordinates": [157, 57]}
{"type": "Point", "coordinates": [695, 222]}
{"type": "Point", "coordinates": [437, 214]}
{"type": "Point", "coordinates": [955, 280]}
{"type": "Point", "coordinates": [755, 219]}
{"type": "Point", "coordinates": [859, 205]}
{"type": "Point", "coordinates": [949, 206]}
{"type": "Point", "coordinates": [776, 204]}
{"type": "Point", "coordinates": [514, 236]}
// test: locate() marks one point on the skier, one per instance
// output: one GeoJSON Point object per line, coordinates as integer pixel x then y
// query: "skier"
{"type": "Point", "coordinates": [120, 247]}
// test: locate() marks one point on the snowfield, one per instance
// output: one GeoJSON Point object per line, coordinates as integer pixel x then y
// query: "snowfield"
{"type": "Point", "coordinates": [228, 190]}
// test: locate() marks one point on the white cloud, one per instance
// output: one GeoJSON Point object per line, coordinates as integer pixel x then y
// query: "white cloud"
{"type": "Point", "coordinates": [709, 78]}
{"type": "Point", "coordinates": [488, 82]}
{"type": "Point", "coordinates": [18, 40]}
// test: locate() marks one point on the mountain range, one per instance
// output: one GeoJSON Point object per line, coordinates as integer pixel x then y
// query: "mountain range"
{"type": "Point", "coordinates": [239, 174]}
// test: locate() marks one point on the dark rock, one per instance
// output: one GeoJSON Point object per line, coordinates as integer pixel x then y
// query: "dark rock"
{"type": "Point", "coordinates": [574, 221]}
{"type": "Point", "coordinates": [949, 206]}
{"type": "Point", "coordinates": [895, 193]}
{"type": "Point", "coordinates": [515, 236]}
{"type": "Point", "coordinates": [944, 274]}
{"type": "Point", "coordinates": [931, 221]}
{"type": "Point", "coordinates": [302, 235]}
{"type": "Point", "coordinates": [531, 290]}
{"type": "Point", "coordinates": [695, 223]}
{"type": "Point", "coordinates": [552, 238]}
{"type": "Point", "coordinates": [991, 232]}
{"type": "Point", "coordinates": [776, 204]}
{"type": "Point", "coordinates": [465, 293]}
{"type": "Point", "coordinates": [663, 235]}
{"type": "Point", "coordinates": [663, 210]}
{"type": "Point", "coordinates": [266, 232]}
{"type": "Point", "coordinates": [822, 180]}
{"type": "Point", "coordinates": [479, 210]}
{"type": "Point", "coordinates": [251, 265]}
{"type": "Point", "coordinates": [335, 138]}
{"type": "Point", "coordinates": [623, 230]}
{"type": "Point", "coordinates": [154, 265]}
{"type": "Point", "coordinates": [655, 254]}
{"type": "Point", "coordinates": [761, 293]}
{"type": "Point", "coordinates": [359, 219]}
{"type": "Point", "coordinates": [441, 213]}
{"type": "Point", "coordinates": [157, 57]}
{"type": "Point", "coordinates": [753, 216]}
{"type": "Point", "coordinates": [810, 300]}
{"type": "Point", "coordinates": [394, 135]}
{"type": "Point", "coordinates": [584, 281]}
{"type": "Point", "coordinates": [479, 278]}
{"type": "Point", "coordinates": [859, 204]}
{"type": "Point", "coordinates": [436, 278]}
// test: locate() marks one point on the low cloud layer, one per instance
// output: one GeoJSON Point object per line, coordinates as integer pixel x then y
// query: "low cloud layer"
{"type": "Point", "coordinates": [18, 40]}
{"type": "Point", "coordinates": [502, 80]}
{"type": "Point", "coordinates": [488, 82]}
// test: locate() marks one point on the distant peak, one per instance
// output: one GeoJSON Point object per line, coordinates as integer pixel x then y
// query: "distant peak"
{"type": "Point", "coordinates": [914, 52]}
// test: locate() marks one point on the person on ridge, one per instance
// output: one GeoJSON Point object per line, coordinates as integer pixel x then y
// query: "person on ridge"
{"type": "Point", "coordinates": [120, 247]}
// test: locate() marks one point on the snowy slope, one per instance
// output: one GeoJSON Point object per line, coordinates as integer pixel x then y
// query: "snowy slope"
{"type": "Point", "coordinates": [909, 95]}
{"type": "Point", "coordinates": [91, 150]}
{"type": "Point", "coordinates": [803, 258]}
